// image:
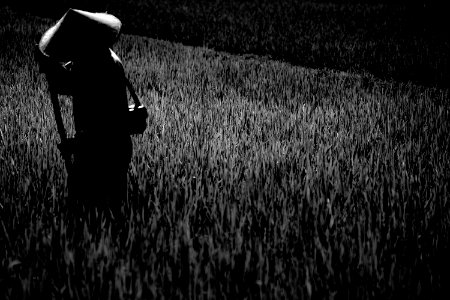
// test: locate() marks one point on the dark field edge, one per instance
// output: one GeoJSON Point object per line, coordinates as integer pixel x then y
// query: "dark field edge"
{"type": "Point", "coordinates": [393, 40]}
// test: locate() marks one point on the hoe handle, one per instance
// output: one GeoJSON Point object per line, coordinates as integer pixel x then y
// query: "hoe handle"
{"type": "Point", "coordinates": [58, 117]}
{"type": "Point", "coordinates": [137, 103]}
{"type": "Point", "coordinates": [61, 130]}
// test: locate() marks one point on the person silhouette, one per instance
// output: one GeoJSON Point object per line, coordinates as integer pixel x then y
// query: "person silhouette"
{"type": "Point", "coordinates": [76, 58]}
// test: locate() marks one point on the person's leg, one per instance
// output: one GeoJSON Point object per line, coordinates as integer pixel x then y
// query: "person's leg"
{"type": "Point", "coordinates": [102, 182]}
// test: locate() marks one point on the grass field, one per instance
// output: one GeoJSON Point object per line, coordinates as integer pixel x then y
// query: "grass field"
{"type": "Point", "coordinates": [256, 179]}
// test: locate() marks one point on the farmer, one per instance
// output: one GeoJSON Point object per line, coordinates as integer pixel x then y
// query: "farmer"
{"type": "Point", "coordinates": [76, 57]}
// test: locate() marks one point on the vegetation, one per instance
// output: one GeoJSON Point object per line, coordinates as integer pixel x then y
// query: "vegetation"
{"type": "Point", "coordinates": [255, 179]}
{"type": "Point", "coordinates": [401, 40]}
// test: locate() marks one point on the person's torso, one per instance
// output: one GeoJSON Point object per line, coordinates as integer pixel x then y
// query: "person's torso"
{"type": "Point", "coordinates": [99, 97]}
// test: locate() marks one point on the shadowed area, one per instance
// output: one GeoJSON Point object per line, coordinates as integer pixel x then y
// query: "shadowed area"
{"type": "Point", "coordinates": [401, 40]}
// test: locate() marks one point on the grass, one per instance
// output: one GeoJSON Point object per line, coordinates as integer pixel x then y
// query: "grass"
{"type": "Point", "coordinates": [256, 179]}
{"type": "Point", "coordinates": [400, 40]}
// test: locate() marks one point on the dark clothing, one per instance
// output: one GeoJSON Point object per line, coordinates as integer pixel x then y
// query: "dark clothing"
{"type": "Point", "coordinates": [99, 95]}
{"type": "Point", "coordinates": [103, 146]}
{"type": "Point", "coordinates": [98, 178]}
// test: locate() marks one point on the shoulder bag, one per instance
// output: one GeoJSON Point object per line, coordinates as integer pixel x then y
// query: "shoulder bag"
{"type": "Point", "coordinates": [137, 113]}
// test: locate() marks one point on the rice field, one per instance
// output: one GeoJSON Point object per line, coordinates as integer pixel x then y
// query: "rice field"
{"type": "Point", "coordinates": [256, 179]}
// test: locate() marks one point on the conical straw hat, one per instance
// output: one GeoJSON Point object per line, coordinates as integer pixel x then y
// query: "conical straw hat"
{"type": "Point", "coordinates": [79, 32]}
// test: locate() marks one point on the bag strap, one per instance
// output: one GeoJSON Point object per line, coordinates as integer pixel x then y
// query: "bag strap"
{"type": "Point", "coordinates": [132, 92]}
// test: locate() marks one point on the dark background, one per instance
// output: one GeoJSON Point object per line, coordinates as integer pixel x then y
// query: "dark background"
{"type": "Point", "coordinates": [396, 40]}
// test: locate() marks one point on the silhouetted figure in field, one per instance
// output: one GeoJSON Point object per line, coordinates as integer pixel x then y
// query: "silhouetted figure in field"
{"type": "Point", "coordinates": [76, 58]}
